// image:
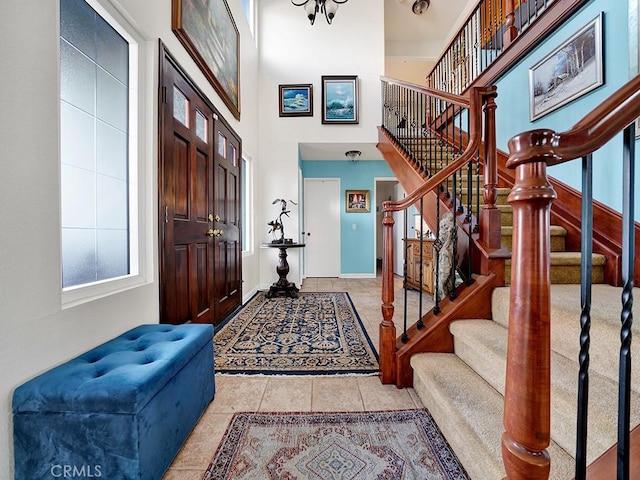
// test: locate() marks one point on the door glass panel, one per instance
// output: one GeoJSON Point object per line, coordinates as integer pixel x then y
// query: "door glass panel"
{"type": "Point", "coordinates": [233, 155]}
{"type": "Point", "coordinates": [201, 125]}
{"type": "Point", "coordinates": [180, 107]}
{"type": "Point", "coordinates": [222, 145]}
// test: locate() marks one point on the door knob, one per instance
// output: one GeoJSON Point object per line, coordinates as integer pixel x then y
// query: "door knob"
{"type": "Point", "coordinates": [210, 232]}
{"type": "Point", "coordinates": [217, 232]}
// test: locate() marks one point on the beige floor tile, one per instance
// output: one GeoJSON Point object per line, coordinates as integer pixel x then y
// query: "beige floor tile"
{"type": "Point", "coordinates": [287, 394]}
{"type": "Point", "coordinates": [201, 445]}
{"type": "Point", "coordinates": [377, 396]}
{"type": "Point", "coordinates": [336, 394]}
{"type": "Point", "coordinates": [180, 474]}
{"type": "Point", "coordinates": [239, 393]}
{"type": "Point", "coordinates": [297, 393]}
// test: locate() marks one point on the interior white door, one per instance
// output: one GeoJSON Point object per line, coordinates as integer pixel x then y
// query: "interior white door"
{"type": "Point", "coordinates": [322, 227]}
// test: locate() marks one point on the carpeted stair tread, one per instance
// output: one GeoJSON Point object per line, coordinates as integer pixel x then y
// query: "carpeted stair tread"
{"type": "Point", "coordinates": [482, 345]}
{"type": "Point", "coordinates": [565, 326]}
{"type": "Point", "coordinates": [603, 408]}
{"type": "Point", "coordinates": [565, 268]}
{"type": "Point", "coordinates": [469, 413]}
{"type": "Point", "coordinates": [558, 236]}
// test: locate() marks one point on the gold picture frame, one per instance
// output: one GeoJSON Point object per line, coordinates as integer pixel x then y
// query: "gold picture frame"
{"type": "Point", "coordinates": [357, 201]}
{"type": "Point", "coordinates": [208, 32]}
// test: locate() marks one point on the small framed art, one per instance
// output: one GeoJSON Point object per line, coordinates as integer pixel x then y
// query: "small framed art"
{"type": "Point", "coordinates": [296, 100]}
{"type": "Point", "coordinates": [339, 99]}
{"type": "Point", "coordinates": [357, 201]}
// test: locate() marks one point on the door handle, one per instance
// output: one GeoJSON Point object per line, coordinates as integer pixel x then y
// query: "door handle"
{"type": "Point", "coordinates": [213, 233]}
{"type": "Point", "coordinates": [217, 232]}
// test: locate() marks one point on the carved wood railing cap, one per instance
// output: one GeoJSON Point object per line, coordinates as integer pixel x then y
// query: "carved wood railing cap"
{"type": "Point", "coordinates": [589, 134]}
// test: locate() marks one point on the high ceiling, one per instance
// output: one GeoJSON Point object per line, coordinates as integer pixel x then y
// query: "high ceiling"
{"type": "Point", "coordinates": [408, 37]}
{"type": "Point", "coordinates": [424, 36]}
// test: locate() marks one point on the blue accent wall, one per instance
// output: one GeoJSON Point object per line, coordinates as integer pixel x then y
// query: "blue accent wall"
{"type": "Point", "coordinates": [512, 115]}
{"type": "Point", "coordinates": [357, 247]}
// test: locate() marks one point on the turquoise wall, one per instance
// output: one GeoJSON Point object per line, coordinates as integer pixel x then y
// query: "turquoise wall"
{"type": "Point", "coordinates": [512, 115]}
{"type": "Point", "coordinates": [357, 247]}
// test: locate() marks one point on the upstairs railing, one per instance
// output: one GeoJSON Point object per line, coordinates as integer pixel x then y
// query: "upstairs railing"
{"type": "Point", "coordinates": [442, 136]}
{"type": "Point", "coordinates": [484, 38]}
{"type": "Point", "coordinates": [527, 394]}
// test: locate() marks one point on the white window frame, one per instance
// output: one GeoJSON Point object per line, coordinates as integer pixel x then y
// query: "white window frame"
{"type": "Point", "coordinates": [247, 198]}
{"type": "Point", "coordinates": [140, 244]}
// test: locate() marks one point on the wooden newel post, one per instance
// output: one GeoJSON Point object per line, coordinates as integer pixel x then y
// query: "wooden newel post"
{"type": "Point", "coordinates": [387, 349]}
{"type": "Point", "coordinates": [490, 216]}
{"type": "Point", "coordinates": [527, 389]}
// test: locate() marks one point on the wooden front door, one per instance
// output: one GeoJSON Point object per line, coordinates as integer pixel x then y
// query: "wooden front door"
{"type": "Point", "coordinates": [228, 245]}
{"type": "Point", "coordinates": [193, 282]}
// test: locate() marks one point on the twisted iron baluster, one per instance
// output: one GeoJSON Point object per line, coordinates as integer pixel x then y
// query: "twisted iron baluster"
{"type": "Point", "coordinates": [628, 254]}
{"type": "Point", "coordinates": [585, 316]}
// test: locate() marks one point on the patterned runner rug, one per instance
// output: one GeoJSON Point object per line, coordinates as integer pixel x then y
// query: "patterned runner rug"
{"type": "Point", "coordinates": [390, 445]}
{"type": "Point", "coordinates": [316, 333]}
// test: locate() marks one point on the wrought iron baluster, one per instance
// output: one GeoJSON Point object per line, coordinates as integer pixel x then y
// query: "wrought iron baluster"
{"type": "Point", "coordinates": [419, 324]}
{"type": "Point", "coordinates": [585, 316]}
{"type": "Point", "coordinates": [628, 254]}
{"type": "Point", "coordinates": [405, 337]}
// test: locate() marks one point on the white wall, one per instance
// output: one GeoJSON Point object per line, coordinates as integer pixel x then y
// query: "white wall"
{"type": "Point", "coordinates": [36, 332]}
{"type": "Point", "coordinates": [293, 51]}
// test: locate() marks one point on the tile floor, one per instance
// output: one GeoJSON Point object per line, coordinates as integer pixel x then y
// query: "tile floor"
{"type": "Point", "coordinates": [301, 394]}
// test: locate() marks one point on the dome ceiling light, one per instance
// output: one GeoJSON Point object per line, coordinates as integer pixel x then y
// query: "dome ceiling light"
{"type": "Point", "coordinates": [420, 6]}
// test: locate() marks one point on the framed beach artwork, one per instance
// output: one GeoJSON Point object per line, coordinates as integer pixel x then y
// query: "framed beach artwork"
{"type": "Point", "coordinates": [357, 201]}
{"type": "Point", "coordinates": [207, 31]}
{"type": "Point", "coordinates": [296, 100]}
{"type": "Point", "coordinates": [568, 72]}
{"type": "Point", "coordinates": [339, 99]}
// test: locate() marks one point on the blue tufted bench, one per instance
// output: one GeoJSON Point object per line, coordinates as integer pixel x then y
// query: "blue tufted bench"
{"type": "Point", "coordinates": [119, 411]}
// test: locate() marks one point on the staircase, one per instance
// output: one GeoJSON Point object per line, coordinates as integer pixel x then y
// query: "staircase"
{"type": "Point", "coordinates": [464, 390]}
{"type": "Point", "coordinates": [565, 265]}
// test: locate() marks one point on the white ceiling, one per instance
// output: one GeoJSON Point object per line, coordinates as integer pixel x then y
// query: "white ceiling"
{"type": "Point", "coordinates": [424, 36]}
{"type": "Point", "coordinates": [407, 36]}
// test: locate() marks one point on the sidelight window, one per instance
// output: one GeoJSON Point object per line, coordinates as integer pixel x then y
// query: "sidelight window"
{"type": "Point", "coordinates": [98, 148]}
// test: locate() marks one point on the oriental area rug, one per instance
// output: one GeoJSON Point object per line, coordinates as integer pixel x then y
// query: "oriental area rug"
{"type": "Point", "coordinates": [314, 334]}
{"type": "Point", "coordinates": [389, 445]}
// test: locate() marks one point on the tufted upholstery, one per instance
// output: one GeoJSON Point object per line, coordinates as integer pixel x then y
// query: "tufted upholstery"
{"type": "Point", "coordinates": [125, 406]}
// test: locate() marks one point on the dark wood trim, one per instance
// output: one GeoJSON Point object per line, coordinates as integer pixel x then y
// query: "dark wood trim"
{"type": "Point", "coordinates": [605, 465]}
{"type": "Point", "coordinates": [474, 301]}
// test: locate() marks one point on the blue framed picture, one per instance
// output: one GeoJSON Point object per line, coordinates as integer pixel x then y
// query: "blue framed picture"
{"type": "Point", "coordinates": [339, 99]}
{"type": "Point", "coordinates": [296, 100]}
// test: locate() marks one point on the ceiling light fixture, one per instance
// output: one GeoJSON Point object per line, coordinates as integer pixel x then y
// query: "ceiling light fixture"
{"type": "Point", "coordinates": [420, 6]}
{"type": "Point", "coordinates": [353, 155]}
{"type": "Point", "coordinates": [313, 7]}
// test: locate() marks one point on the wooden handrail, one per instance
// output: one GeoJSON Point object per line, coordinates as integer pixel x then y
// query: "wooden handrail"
{"type": "Point", "coordinates": [475, 139]}
{"type": "Point", "coordinates": [461, 101]}
{"type": "Point", "coordinates": [480, 102]}
{"type": "Point", "coordinates": [586, 136]}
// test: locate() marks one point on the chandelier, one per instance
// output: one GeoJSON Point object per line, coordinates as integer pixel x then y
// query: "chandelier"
{"type": "Point", "coordinates": [313, 7]}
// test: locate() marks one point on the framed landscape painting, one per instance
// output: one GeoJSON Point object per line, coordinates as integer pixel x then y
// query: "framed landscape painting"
{"type": "Point", "coordinates": [296, 100]}
{"type": "Point", "coordinates": [357, 201]}
{"type": "Point", "coordinates": [339, 99]}
{"type": "Point", "coordinates": [208, 32]}
{"type": "Point", "coordinates": [568, 72]}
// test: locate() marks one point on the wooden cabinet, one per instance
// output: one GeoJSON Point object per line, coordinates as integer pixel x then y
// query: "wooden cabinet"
{"type": "Point", "coordinates": [415, 263]}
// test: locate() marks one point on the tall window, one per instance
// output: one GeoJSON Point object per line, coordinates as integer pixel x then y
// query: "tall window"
{"type": "Point", "coordinates": [246, 189]}
{"type": "Point", "coordinates": [249, 11]}
{"type": "Point", "coordinates": [98, 100]}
